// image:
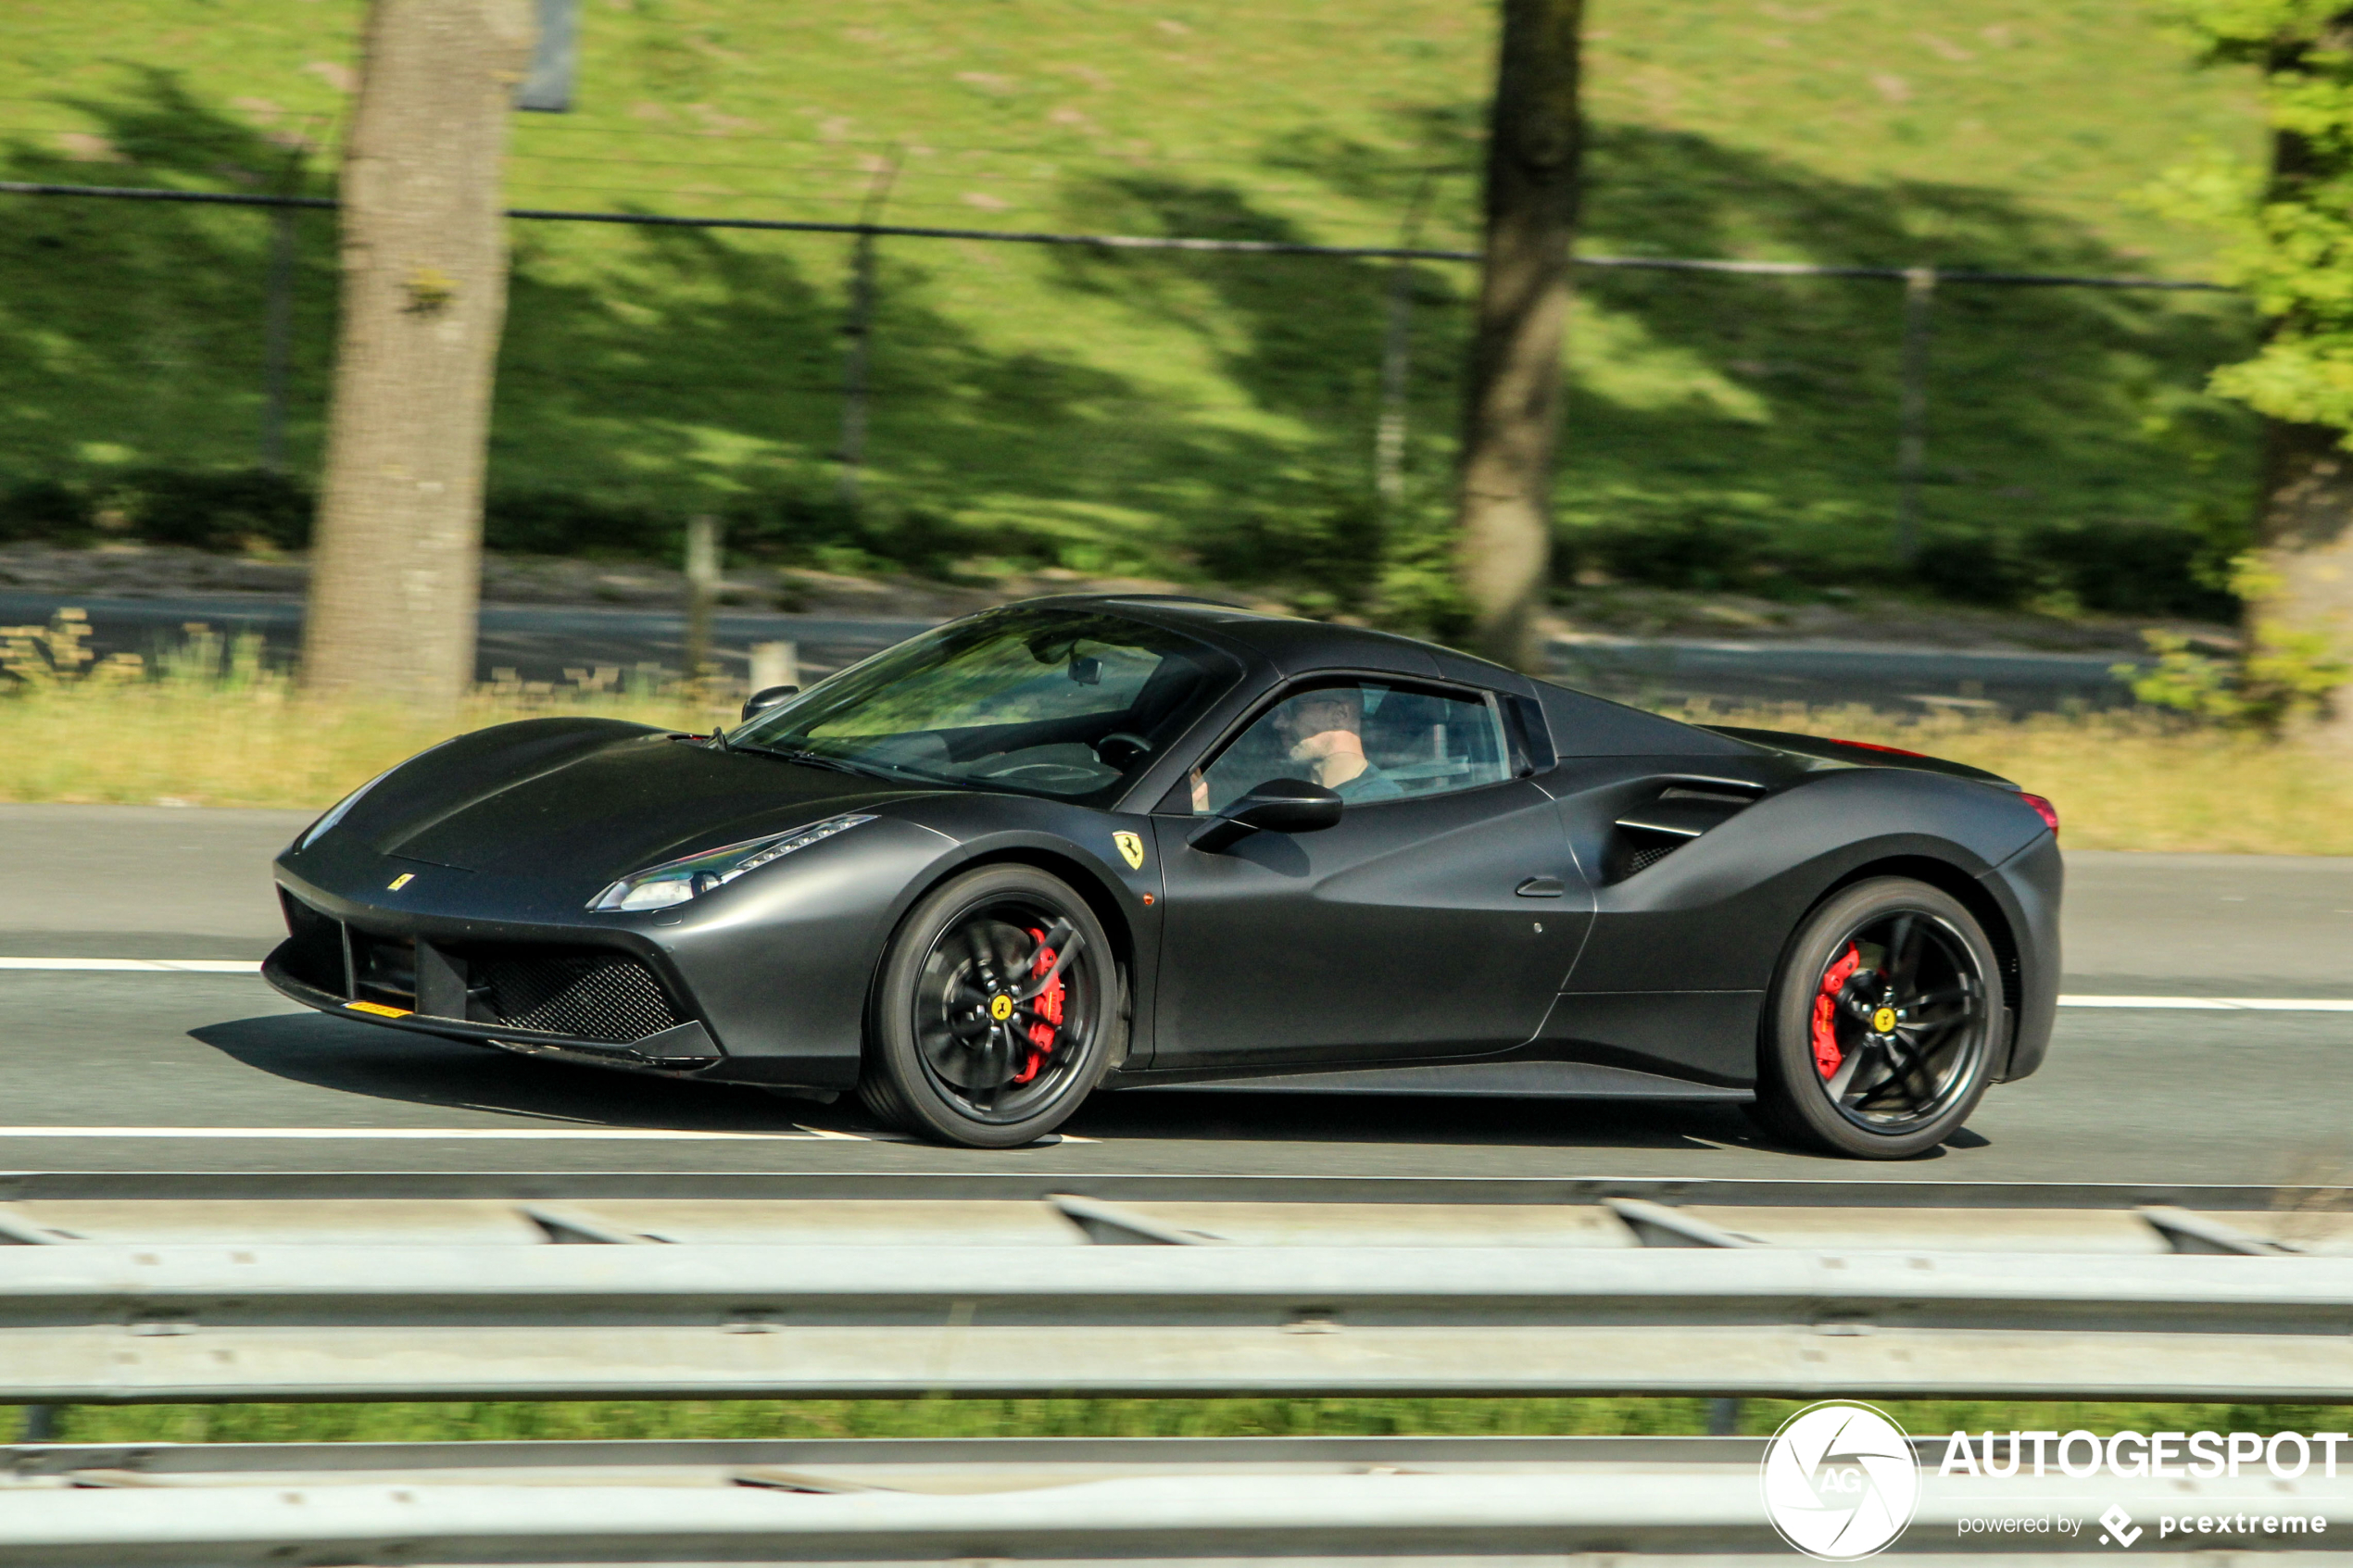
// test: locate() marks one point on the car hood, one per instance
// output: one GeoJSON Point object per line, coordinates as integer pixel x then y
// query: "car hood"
{"type": "Point", "coordinates": [613, 805]}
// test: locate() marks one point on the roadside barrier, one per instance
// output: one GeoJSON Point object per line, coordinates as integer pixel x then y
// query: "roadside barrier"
{"type": "Point", "coordinates": [1060, 1500]}
{"type": "Point", "coordinates": [555, 1287]}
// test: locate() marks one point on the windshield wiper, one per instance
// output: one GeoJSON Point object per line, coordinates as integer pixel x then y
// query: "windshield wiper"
{"type": "Point", "coordinates": [814, 760]}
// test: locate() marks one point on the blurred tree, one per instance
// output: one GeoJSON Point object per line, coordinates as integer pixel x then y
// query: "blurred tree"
{"type": "Point", "coordinates": [2293, 248]}
{"type": "Point", "coordinates": [396, 563]}
{"type": "Point", "coordinates": [1511, 402]}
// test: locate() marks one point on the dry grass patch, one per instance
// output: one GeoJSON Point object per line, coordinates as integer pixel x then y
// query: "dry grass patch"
{"type": "Point", "coordinates": [2132, 780]}
{"type": "Point", "coordinates": [212, 727]}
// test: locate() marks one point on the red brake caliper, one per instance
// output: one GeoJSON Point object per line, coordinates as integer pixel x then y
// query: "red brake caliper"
{"type": "Point", "coordinates": [1048, 1009]}
{"type": "Point", "coordinates": [1827, 1056]}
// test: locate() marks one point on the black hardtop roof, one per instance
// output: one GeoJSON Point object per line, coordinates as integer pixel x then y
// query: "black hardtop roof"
{"type": "Point", "coordinates": [1294, 646]}
{"type": "Point", "coordinates": [1582, 724]}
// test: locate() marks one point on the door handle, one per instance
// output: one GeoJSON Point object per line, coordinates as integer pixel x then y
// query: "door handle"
{"type": "Point", "coordinates": [1541, 888]}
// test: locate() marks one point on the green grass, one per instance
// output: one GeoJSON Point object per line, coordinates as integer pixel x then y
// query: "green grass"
{"type": "Point", "coordinates": [1620, 1416]}
{"type": "Point", "coordinates": [1155, 412]}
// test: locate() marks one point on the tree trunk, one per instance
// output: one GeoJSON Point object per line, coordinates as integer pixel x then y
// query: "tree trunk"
{"type": "Point", "coordinates": [2307, 547]}
{"type": "Point", "coordinates": [1512, 406]}
{"type": "Point", "coordinates": [397, 567]}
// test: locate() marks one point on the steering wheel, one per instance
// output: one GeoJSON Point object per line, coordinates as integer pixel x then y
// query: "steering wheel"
{"type": "Point", "coordinates": [1122, 747]}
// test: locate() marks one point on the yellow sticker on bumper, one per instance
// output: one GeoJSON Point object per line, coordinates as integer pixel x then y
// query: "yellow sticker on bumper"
{"type": "Point", "coordinates": [378, 1008]}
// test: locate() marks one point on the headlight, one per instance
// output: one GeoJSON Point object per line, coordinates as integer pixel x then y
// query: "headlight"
{"type": "Point", "coordinates": [657, 887]}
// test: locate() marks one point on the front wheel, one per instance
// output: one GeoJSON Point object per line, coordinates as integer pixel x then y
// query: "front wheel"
{"type": "Point", "coordinates": [1883, 1023]}
{"type": "Point", "coordinates": [997, 1008]}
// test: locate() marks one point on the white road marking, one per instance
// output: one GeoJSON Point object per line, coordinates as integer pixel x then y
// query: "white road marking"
{"type": "Point", "coordinates": [519, 1134]}
{"type": "Point", "coordinates": [2213, 1004]}
{"type": "Point", "coordinates": [164, 966]}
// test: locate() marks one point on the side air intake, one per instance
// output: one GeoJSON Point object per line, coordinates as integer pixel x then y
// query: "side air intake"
{"type": "Point", "coordinates": [1670, 820]}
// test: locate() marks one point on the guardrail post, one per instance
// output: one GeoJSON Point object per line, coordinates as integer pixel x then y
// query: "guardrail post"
{"type": "Point", "coordinates": [775, 664]}
{"type": "Point", "coordinates": [702, 591]}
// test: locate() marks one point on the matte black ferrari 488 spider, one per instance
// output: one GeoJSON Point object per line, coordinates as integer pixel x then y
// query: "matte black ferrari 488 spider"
{"type": "Point", "coordinates": [1100, 843]}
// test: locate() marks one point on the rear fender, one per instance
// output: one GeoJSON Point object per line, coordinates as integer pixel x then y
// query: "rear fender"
{"type": "Point", "coordinates": [1714, 914]}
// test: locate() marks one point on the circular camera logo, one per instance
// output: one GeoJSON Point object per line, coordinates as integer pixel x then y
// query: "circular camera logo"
{"type": "Point", "coordinates": [1840, 1481]}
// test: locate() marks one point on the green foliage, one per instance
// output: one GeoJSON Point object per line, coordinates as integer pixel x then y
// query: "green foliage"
{"type": "Point", "coordinates": [2107, 566]}
{"type": "Point", "coordinates": [209, 509]}
{"type": "Point", "coordinates": [2286, 675]}
{"type": "Point", "coordinates": [44, 509]}
{"type": "Point", "coordinates": [1135, 413]}
{"type": "Point", "coordinates": [240, 508]}
{"type": "Point", "coordinates": [560, 523]}
{"type": "Point", "coordinates": [1703, 549]}
{"type": "Point", "coordinates": [1326, 549]}
{"type": "Point", "coordinates": [2104, 566]}
{"type": "Point", "coordinates": [2290, 233]}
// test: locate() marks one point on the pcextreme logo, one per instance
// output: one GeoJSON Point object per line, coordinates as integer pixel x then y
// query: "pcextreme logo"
{"type": "Point", "coordinates": [1840, 1481]}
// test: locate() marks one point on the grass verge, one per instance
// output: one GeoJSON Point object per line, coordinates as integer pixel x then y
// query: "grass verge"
{"type": "Point", "coordinates": [1612, 1416]}
{"type": "Point", "coordinates": [2130, 780]}
{"type": "Point", "coordinates": [1138, 413]}
{"type": "Point", "coordinates": [211, 725]}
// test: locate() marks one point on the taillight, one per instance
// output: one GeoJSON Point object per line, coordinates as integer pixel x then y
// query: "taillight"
{"type": "Point", "coordinates": [2043, 808]}
{"type": "Point", "coordinates": [1874, 745]}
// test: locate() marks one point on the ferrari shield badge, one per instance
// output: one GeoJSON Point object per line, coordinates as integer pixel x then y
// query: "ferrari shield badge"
{"type": "Point", "coordinates": [403, 880]}
{"type": "Point", "coordinates": [1131, 849]}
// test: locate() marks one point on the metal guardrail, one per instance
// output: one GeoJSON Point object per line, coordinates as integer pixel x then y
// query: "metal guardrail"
{"type": "Point", "coordinates": [103, 1323]}
{"type": "Point", "coordinates": [1063, 1500]}
{"type": "Point", "coordinates": [1377, 1289]}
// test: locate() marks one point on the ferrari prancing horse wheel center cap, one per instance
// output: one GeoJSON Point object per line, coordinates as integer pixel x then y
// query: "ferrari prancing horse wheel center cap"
{"type": "Point", "coordinates": [1000, 1007]}
{"type": "Point", "coordinates": [1883, 1022]}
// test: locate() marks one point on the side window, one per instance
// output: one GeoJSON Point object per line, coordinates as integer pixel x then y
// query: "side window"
{"type": "Point", "coordinates": [1367, 740]}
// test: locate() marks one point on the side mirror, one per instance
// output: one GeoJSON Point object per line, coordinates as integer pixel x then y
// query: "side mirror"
{"type": "Point", "coordinates": [767, 697]}
{"type": "Point", "coordinates": [1276, 805]}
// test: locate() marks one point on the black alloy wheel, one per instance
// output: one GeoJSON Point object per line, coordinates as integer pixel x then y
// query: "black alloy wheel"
{"type": "Point", "coordinates": [997, 1010]}
{"type": "Point", "coordinates": [1885, 1023]}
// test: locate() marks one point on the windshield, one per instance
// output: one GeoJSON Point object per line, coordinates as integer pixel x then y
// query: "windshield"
{"type": "Point", "coordinates": [1064, 703]}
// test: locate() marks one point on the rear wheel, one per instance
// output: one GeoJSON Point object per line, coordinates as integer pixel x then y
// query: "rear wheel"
{"type": "Point", "coordinates": [1883, 1023]}
{"type": "Point", "coordinates": [996, 1010]}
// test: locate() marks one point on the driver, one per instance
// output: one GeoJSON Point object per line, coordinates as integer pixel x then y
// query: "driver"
{"type": "Point", "coordinates": [1325, 729]}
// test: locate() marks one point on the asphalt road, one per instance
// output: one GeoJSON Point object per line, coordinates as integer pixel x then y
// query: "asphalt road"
{"type": "Point", "coordinates": [539, 643]}
{"type": "Point", "coordinates": [2129, 1094]}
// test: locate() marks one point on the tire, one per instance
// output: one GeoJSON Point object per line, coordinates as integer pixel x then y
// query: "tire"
{"type": "Point", "coordinates": [975, 1034]}
{"type": "Point", "coordinates": [1884, 1024]}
